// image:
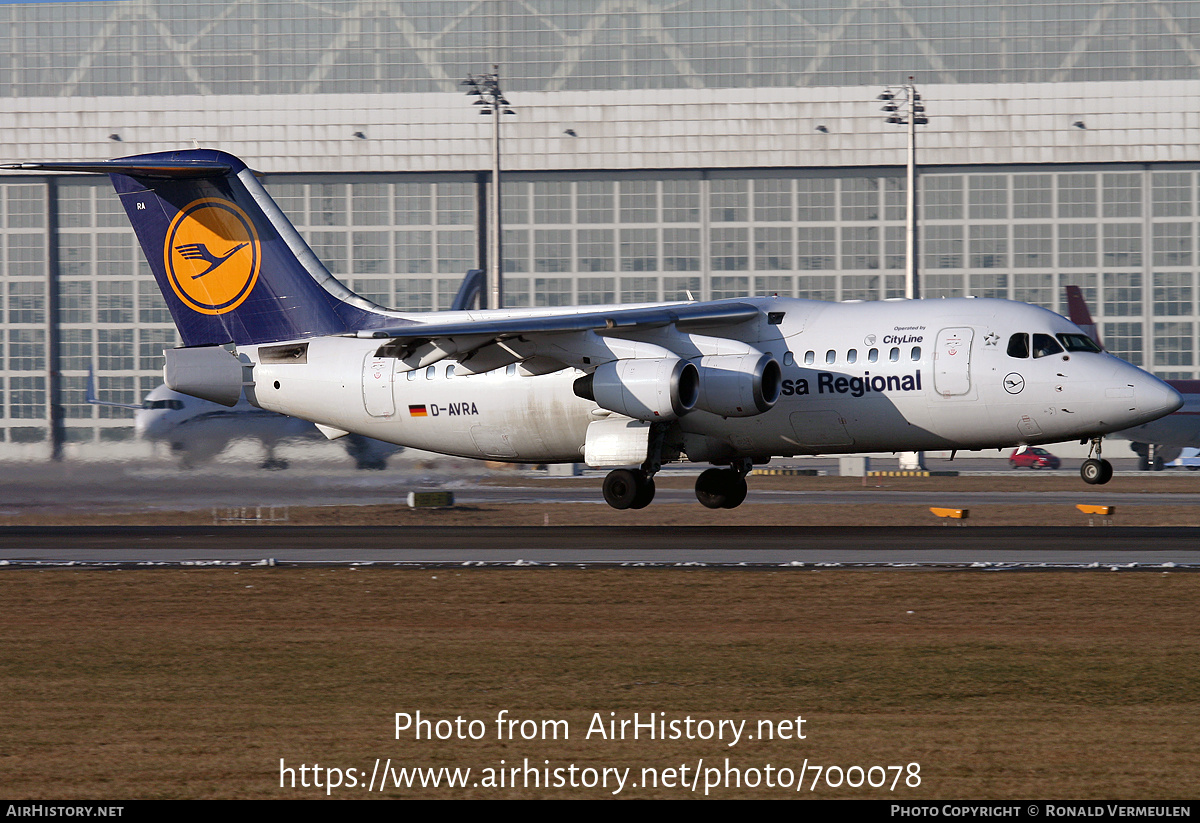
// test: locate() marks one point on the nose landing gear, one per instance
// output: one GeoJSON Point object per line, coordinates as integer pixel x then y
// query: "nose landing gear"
{"type": "Point", "coordinates": [1096, 471]}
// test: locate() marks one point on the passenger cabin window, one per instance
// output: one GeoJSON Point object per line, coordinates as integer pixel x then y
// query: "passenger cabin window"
{"type": "Point", "coordinates": [1018, 345]}
{"type": "Point", "coordinates": [916, 353]}
{"type": "Point", "coordinates": [894, 355]}
{"type": "Point", "coordinates": [789, 359]}
{"type": "Point", "coordinates": [831, 357]}
{"type": "Point", "coordinates": [412, 375]}
{"type": "Point", "coordinates": [873, 356]}
{"type": "Point", "coordinates": [449, 372]}
{"type": "Point", "coordinates": [852, 356]}
{"type": "Point", "coordinates": [430, 372]}
{"type": "Point", "coordinates": [810, 357]}
{"type": "Point", "coordinates": [1044, 345]}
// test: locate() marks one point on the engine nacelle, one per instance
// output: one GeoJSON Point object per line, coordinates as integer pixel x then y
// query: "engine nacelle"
{"type": "Point", "coordinates": [652, 389]}
{"type": "Point", "coordinates": [739, 385]}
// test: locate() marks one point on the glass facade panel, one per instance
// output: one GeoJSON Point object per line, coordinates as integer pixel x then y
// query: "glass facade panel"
{"type": "Point", "coordinates": [1173, 244]}
{"type": "Point", "coordinates": [1076, 195]}
{"type": "Point", "coordinates": [1122, 194]}
{"type": "Point", "coordinates": [1173, 344]}
{"type": "Point", "coordinates": [1173, 295]}
{"type": "Point", "coordinates": [1123, 294]}
{"type": "Point", "coordinates": [1171, 193]}
{"type": "Point", "coordinates": [989, 247]}
{"type": "Point", "coordinates": [1032, 196]}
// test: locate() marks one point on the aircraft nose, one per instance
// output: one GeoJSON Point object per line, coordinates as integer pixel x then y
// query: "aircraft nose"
{"type": "Point", "coordinates": [1156, 399]}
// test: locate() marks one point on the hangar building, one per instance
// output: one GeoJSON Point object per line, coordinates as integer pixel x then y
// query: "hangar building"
{"type": "Point", "coordinates": [658, 148]}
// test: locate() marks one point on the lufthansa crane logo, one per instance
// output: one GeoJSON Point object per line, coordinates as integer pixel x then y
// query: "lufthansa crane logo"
{"type": "Point", "coordinates": [212, 256]}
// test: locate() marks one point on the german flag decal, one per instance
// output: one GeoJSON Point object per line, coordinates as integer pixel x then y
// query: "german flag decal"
{"type": "Point", "coordinates": [417, 411]}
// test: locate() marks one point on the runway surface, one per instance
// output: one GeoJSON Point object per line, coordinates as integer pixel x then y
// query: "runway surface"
{"type": "Point", "coordinates": [991, 548]}
{"type": "Point", "coordinates": [73, 488]}
{"type": "Point", "coordinates": [53, 489]}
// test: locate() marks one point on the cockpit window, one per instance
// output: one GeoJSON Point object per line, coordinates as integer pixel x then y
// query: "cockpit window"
{"type": "Point", "coordinates": [1018, 345]}
{"type": "Point", "coordinates": [1044, 345]}
{"type": "Point", "coordinates": [1078, 342]}
{"type": "Point", "coordinates": [163, 404]}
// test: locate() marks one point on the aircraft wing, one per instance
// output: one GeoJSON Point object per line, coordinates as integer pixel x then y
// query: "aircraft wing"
{"type": "Point", "coordinates": [680, 315]}
{"type": "Point", "coordinates": [549, 342]}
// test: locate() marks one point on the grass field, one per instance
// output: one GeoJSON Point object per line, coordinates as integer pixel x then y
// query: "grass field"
{"type": "Point", "coordinates": [195, 683]}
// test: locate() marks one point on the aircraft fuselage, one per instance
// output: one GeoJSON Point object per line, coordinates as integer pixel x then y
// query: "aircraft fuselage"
{"type": "Point", "coordinates": [887, 376]}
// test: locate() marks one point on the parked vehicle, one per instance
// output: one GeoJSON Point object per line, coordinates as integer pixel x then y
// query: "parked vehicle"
{"type": "Point", "coordinates": [1189, 458]}
{"type": "Point", "coordinates": [1032, 457]}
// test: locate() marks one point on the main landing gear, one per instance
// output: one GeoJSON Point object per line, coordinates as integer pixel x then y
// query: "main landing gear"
{"type": "Point", "coordinates": [723, 488]}
{"type": "Point", "coordinates": [715, 488]}
{"type": "Point", "coordinates": [629, 489]}
{"type": "Point", "coordinates": [1096, 471]}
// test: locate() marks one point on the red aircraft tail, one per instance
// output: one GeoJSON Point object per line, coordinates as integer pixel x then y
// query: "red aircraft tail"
{"type": "Point", "coordinates": [1077, 313]}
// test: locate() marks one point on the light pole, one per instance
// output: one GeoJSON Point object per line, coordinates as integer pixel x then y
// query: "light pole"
{"type": "Point", "coordinates": [903, 107]}
{"type": "Point", "coordinates": [492, 101]}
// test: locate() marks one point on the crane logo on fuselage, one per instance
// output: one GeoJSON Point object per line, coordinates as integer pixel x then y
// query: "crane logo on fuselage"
{"type": "Point", "coordinates": [212, 256]}
{"type": "Point", "coordinates": [1013, 383]}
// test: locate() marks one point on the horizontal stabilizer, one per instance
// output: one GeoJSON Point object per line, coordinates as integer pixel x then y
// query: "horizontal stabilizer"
{"type": "Point", "coordinates": [132, 166]}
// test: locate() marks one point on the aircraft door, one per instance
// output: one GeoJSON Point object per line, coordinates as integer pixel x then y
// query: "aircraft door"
{"type": "Point", "coordinates": [952, 361]}
{"type": "Point", "coordinates": [377, 385]}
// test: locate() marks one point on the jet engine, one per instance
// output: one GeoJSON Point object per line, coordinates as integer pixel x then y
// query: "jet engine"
{"type": "Point", "coordinates": [645, 389]}
{"type": "Point", "coordinates": [739, 385]}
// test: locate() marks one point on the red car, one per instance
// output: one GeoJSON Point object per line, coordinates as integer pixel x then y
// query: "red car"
{"type": "Point", "coordinates": [1031, 457]}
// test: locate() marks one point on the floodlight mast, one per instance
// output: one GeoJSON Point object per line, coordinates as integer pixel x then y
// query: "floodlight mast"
{"type": "Point", "coordinates": [492, 101]}
{"type": "Point", "coordinates": [903, 107]}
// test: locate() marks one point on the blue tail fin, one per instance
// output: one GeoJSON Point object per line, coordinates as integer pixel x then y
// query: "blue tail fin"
{"type": "Point", "coordinates": [230, 265]}
{"type": "Point", "coordinates": [470, 293]}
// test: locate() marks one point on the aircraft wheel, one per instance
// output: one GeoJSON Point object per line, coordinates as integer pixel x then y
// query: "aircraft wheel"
{"type": "Point", "coordinates": [645, 493]}
{"type": "Point", "coordinates": [1143, 464]}
{"type": "Point", "coordinates": [1096, 472]}
{"type": "Point", "coordinates": [1157, 463]}
{"type": "Point", "coordinates": [737, 492]}
{"type": "Point", "coordinates": [720, 489]}
{"type": "Point", "coordinates": [621, 489]}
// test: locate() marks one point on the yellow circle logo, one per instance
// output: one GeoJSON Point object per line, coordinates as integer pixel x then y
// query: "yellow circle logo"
{"type": "Point", "coordinates": [212, 256]}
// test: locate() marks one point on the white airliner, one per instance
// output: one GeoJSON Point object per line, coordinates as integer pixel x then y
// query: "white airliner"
{"type": "Point", "coordinates": [197, 430]}
{"type": "Point", "coordinates": [1159, 441]}
{"type": "Point", "coordinates": [726, 382]}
